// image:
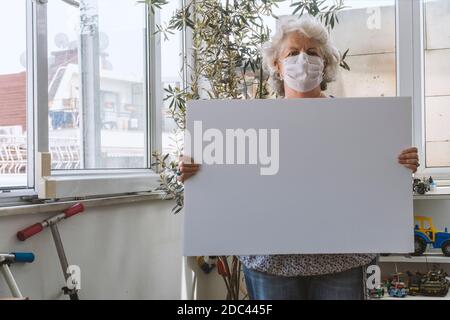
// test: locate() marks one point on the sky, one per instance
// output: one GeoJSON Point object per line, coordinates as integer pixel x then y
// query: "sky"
{"type": "Point", "coordinates": [122, 22]}
{"type": "Point", "coordinates": [12, 35]}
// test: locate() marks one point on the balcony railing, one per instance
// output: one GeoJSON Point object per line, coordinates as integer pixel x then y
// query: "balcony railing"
{"type": "Point", "coordinates": [13, 154]}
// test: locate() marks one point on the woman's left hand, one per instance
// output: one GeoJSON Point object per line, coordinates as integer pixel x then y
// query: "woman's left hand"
{"type": "Point", "coordinates": [410, 159]}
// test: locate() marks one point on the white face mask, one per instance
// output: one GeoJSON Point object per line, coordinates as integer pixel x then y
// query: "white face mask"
{"type": "Point", "coordinates": [303, 73]}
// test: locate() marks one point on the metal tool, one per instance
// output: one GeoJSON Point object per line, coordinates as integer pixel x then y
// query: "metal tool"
{"type": "Point", "coordinates": [52, 223]}
{"type": "Point", "coordinates": [6, 259]}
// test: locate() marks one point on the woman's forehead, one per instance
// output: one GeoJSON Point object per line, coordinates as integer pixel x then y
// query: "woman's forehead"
{"type": "Point", "coordinates": [297, 40]}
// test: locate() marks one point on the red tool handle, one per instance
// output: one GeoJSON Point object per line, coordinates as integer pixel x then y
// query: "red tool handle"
{"type": "Point", "coordinates": [36, 228]}
{"type": "Point", "coordinates": [73, 210]}
{"type": "Point", "coordinates": [29, 232]}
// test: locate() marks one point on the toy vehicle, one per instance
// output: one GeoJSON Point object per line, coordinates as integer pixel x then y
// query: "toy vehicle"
{"type": "Point", "coordinates": [376, 293]}
{"type": "Point", "coordinates": [398, 292]}
{"type": "Point", "coordinates": [434, 284]}
{"type": "Point", "coordinates": [414, 283]}
{"type": "Point", "coordinates": [425, 233]}
{"type": "Point", "coordinates": [422, 186]}
{"type": "Point", "coordinates": [396, 288]}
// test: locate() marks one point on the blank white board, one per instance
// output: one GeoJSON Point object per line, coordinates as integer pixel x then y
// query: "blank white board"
{"type": "Point", "coordinates": [339, 187]}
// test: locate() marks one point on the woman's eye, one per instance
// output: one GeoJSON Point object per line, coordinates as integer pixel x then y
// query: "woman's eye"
{"type": "Point", "coordinates": [312, 53]}
{"type": "Point", "coordinates": [293, 53]}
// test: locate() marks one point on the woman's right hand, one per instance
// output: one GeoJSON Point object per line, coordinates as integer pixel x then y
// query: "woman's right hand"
{"type": "Point", "coordinates": [187, 168]}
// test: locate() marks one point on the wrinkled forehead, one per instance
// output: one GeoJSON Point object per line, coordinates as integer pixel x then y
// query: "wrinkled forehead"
{"type": "Point", "coordinates": [298, 41]}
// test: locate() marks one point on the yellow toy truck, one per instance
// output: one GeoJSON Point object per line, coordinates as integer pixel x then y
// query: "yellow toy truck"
{"type": "Point", "coordinates": [425, 233]}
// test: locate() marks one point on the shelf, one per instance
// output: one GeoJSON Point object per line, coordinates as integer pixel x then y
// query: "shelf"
{"type": "Point", "coordinates": [441, 193]}
{"type": "Point", "coordinates": [426, 258]}
{"type": "Point", "coordinates": [387, 297]}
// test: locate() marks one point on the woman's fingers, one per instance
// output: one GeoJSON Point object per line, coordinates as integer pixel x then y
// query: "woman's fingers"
{"type": "Point", "coordinates": [187, 168]}
{"type": "Point", "coordinates": [409, 161]}
{"type": "Point", "coordinates": [184, 176]}
{"type": "Point", "coordinates": [405, 156]}
{"type": "Point", "coordinates": [188, 165]}
{"type": "Point", "coordinates": [409, 150]}
{"type": "Point", "coordinates": [184, 167]}
{"type": "Point", "coordinates": [409, 158]}
{"type": "Point", "coordinates": [185, 160]}
{"type": "Point", "coordinates": [411, 164]}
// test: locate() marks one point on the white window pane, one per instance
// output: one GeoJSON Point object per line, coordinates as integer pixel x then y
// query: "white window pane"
{"type": "Point", "coordinates": [13, 95]}
{"type": "Point", "coordinates": [97, 120]}
{"type": "Point", "coordinates": [438, 118]}
{"type": "Point", "coordinates": [437, 13]}
{"type": "Point", "coordinates": [437, 83]}
{"type": "Point", "coordinates": [371, 75]}
{"type": "Point", "coordinates": [375, 22]}
{"type": "Point", "coordinates": [372, 51]}
{"type": "Point", "coordinates": [172, 74]}
{"type": "Point", "coordinates": [437, 72]}
{"type": "Point", "coordinates": [437, 131]}
{"type": "Point", "coordinates": [438, 154]}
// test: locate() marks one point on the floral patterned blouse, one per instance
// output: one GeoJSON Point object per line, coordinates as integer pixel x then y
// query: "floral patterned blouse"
{"type": "Point", "coordinates": [306, 265]}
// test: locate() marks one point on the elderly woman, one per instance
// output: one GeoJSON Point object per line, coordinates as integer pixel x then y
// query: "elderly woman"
{"type": "Point", "coordinates": [301, 60]}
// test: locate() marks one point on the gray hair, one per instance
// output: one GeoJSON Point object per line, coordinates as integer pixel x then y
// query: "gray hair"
{"type": "Point", "coordinates": [311, 28]}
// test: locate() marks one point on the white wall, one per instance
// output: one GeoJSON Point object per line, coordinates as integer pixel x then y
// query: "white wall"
{"type": "Point", "coordinates": [129, 251]}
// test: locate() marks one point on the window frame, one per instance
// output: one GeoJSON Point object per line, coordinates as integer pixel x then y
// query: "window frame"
{"type": "Point", "coordinates": [410, 65]}
{"type": "Point", "coordinates": [29, 188]}
{"type": "Point", "coordinates": [438, 173]}
{"type": "Point", "coordinates": [86, 182]}
{"type": "Point", "coordinates": [411, 77]}
{"type": "Point", "coordinates": [51, 184]}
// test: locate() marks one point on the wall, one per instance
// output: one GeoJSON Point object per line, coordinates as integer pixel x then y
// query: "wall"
{"type": "Point", "coordinates": [13, 100]}
{"type": "Point", "coordinates": [125, 252]}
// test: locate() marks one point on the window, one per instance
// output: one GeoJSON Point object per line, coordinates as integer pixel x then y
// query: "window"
{"type": "Point", "coordinates": [14, 162]}
{"type": "Point", "coordinates": [437, 83]}
{"type": "Point", "coordinates": [86, 89]}
{"type": "Point", "coordinates": [372, 49]}
{"type": "Point", "coordinates": [172, 74]}
{"type": "Point", "coordinates": [97, 85]}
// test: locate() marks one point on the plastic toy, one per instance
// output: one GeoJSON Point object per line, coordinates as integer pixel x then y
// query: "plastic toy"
{"type": "Point", "coordinates": [52, 223]}
{"type": "Point", "coordinates": [206, 263]}
{"type": "Point", "coordinates": [6, 259]}
{"type": "Point", "coordinates": [414, 283]}
{"type": "Point", "coordinates": [376, 293]}
{"type": "Point", "coordinates": [398, 291]}
{"type": "Point", "coordinates": [396, 288]}
{"type": "Point", "coordinates": [434, 284]}
{"type": "Point", "coordinates": [423, 186]}
{"type": "Point", "coordinates": [425, 233]}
